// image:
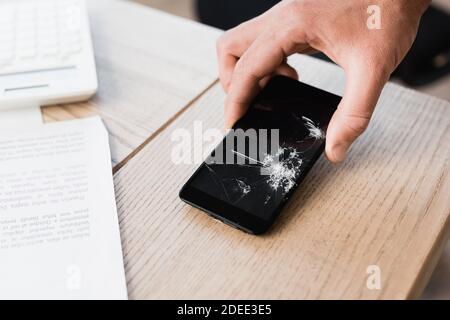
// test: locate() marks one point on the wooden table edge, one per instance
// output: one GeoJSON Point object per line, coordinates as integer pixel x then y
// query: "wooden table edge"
{"type": "Point", "coordinates": [427, 269]}
{"type": "Point", "coordinates": [425, 273]}
{"type": "Point", "coordinates": [153, 135]}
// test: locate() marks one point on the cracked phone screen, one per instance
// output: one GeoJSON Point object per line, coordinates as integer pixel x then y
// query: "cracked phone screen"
{"type": "Point", "coordinates": [259, 184]}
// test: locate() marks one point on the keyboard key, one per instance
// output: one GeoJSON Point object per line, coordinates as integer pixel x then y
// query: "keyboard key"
{"type": "Point", "coordinates": [73, 18]}
{"type": "Point", "coordinates": [6, 54]}
{"type": "Point", "coordinates": [50, 51]}
{"type": "Point", "coordinates": [6, 28]}
{"type": "Point", "coordinates": [26, 27]}
{"type": "Point", "coordinates": [6, 38]}
{"type": "Point", "coordinates": [50, 34]}
{"type": "Point", "coordinates": [7, 48]}
{"type": "Point", "coordinates": [6, 57]}
{"type": "Point", "coordinates": [26, 40]}
{"type": "Point", "coordinates": [27, 53]}
{"type": "Point", "coordinates": [7, 14]}
{"type": "Point", "coordinates": [4, 63]}
{"type": "Point", "coordinates": [49, 47]}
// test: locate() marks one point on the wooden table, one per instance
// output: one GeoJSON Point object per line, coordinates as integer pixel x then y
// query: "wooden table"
{"type": "Point", "coordinates": [387, 206]}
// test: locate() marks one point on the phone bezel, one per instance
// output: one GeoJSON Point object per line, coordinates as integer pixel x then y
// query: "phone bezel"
{"type": "Point", "coordinates": [223, 211]}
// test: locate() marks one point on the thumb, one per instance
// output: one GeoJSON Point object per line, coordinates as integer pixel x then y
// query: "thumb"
{"type": "Point", "coordinates": [353, 114]}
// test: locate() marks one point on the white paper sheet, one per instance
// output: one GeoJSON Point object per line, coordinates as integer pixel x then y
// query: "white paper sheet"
{"type": "Point", "coordinates": [20, 118]}
{"type": "Point", "coordinates": [59, 232]}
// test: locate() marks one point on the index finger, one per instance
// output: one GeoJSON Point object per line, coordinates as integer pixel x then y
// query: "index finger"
{"type": "Point", "coordinates": [266, 53]}
{"type": "Point", "coordinates": [232, 45]}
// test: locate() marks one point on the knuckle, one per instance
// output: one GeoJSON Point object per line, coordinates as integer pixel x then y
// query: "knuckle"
{"type": "Point", "coordinates": [297, 11]}
{"type": "Point", "coordinates": [220, 44]}
{"type": "Point", "coordinates": [243, 68]}
{"type": "Point", "coordinates": [284, 34]}
{"type": "Point", "coordinates": [356, 124]}
{"type": "Point", "coordinates": [223, 44]}
{"type": "Point", "coordinates": [246, 70]}
{"type": "Point", "coordinates": [296, 17]}
{"type": "Point", "coordinates": [295, 6]}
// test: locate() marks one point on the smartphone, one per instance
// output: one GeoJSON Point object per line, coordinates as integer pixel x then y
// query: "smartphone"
{"type": "Point", "coordinates": [250, 176]}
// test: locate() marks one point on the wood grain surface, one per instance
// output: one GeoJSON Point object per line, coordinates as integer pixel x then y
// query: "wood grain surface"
{"type": "Point", "coordinates": [149, 65]}
{"type": "Point", "coordinates": [387, 205]}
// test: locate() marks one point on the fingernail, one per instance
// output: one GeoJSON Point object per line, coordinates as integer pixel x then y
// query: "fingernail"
{"type": "Point", "coordinates": [339, 151]}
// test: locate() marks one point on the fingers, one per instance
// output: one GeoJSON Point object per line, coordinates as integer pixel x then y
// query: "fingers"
{"type": "Point", "coordinates": [264, 56]}
{"type": "Point", "coordinates": [230, 49]}
{"type": "Point", "coordinates": [354, 112]}
{"type": "Point", "coordinates": [232, 45]}
{"type": "Point", "coordinates": [227, 64]}
{"type": "Point", "coordinates": [284, 70]}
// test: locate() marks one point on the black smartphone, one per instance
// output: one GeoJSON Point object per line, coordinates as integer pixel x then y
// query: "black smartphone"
{"type": "Point", "coordinates": [247, 180]}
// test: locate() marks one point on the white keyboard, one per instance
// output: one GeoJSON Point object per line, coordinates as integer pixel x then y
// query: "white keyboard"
{"type": "Point", "coordinates": [45, 40]}
{"type": "Point", "coordinates": [39, 32]}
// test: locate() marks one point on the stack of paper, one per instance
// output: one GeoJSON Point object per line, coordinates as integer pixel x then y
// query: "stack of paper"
{"type": "Point", "coordinates": [59, 231]}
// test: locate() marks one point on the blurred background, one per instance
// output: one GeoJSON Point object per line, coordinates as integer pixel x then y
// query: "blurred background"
{"type": "Point", "coordinates": [426, 68]}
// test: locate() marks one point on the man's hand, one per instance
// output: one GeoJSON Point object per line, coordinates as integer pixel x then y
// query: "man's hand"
{"type": "Point", "coordinates": [252, 52]}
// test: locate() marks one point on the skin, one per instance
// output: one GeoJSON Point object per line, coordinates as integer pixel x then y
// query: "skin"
{"type": "Point", "coordinates": [256, 50]}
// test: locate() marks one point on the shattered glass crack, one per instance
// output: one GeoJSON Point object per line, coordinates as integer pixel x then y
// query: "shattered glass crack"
{"type": "Point", "coordinates": [274, 175]}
